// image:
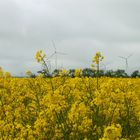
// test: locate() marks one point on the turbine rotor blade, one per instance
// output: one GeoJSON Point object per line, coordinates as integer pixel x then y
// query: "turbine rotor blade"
{"type": "Point", "coordinates": [122, 57]}
{"type": "Point", "coordinates": [61, 53]}
{"type": "Point", "coordinates": [129, 56]}
{"type": "Point", "coordinates": [52, 55]}
{"type": "Point", "coordinates": [54, 45]}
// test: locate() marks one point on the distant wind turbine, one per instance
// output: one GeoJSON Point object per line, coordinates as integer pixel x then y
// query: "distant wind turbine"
{"type": "Point", "coordinates": [55, 53]}
{"type": "Point", "coordinates": [126, 61]}
{"type": "Point", "coordinates": [105, 65]}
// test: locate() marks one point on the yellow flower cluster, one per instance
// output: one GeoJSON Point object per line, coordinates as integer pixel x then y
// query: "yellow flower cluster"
{"type": "Point", "coordinates": [40, 56]}
{"type": "Point", "coordinates": [112, 132]}
{"type": "Point", "coordinates": [78, 72]}
{"type": "Point", "coordinates": [69, 108]}
{"type": "Point", "coordinates": [4, 74]}
{"type": "Point", "coordinates": [63, 72]}
{"type": "Point", "coordinates": [97, 58]}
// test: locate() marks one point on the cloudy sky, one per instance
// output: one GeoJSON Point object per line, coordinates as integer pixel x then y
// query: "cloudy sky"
{"type": "Point", "coordinates": [79, 29]}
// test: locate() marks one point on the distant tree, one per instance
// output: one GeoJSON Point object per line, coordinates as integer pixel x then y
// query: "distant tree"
{"type": "Point", "coordinates": [45, 73]}
{"type": "Point", "coordinates": [136, 73]}
{"type": "Point", "coordinates": [88, 72]}
{"type": "Point", "coordinates": [30, 74]}
{"type": "Point", "coordinates": [109, 73]}
{"type": "Point", "coordinates": [56, 72]}
{"type": "Point", "coordinates": [101, 73]}
{"type": "Point", "coordinates": [120, 73]}
{"type": "Point", "coordinates": [72, 73]}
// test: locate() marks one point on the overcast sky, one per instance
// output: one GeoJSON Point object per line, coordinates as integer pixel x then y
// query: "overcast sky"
{"type": "Point", "coordinates": [79, 29]}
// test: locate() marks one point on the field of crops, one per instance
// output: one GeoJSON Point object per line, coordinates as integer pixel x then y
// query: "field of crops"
{"type": "Point", "coordinates": [69, 108]}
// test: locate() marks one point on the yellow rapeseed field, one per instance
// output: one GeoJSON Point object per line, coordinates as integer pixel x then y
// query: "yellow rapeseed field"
{"type": "Point", "coordinates": [64, 108]}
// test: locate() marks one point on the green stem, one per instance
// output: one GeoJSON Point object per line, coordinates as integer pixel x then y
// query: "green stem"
{"type": "Point", "coordinates": [98, 68]}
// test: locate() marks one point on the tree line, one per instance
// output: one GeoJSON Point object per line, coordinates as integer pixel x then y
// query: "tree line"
{"type": "Point", "coordinates": [89, 72]}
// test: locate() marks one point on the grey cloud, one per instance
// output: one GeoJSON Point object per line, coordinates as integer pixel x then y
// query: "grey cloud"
{"type": "Point", "coordinates": [79, 28]}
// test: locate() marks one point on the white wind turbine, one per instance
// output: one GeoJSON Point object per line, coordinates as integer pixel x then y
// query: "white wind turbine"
{"type": "Point", "coordinates": [55, 54]}
{"type": "Point", "coordinates": [126, 61]}
{"type": "Point", "coordinates": [105, 65]}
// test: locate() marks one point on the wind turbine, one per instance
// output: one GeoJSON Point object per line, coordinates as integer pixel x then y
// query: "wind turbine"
{"type": "Point", "coordinates": [55, 53]}
{"type": "Point", "coordinates": [105, 65]}
{"type": "Point", "coordinates": [126, 61]}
